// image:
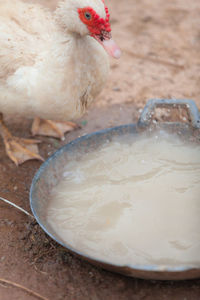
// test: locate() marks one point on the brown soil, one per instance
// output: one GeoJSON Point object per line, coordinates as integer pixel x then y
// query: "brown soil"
{"type": "Point", "coordinates": [161, 45]}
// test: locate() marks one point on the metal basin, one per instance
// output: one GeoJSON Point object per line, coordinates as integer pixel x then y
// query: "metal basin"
{"type": "Point", "coordinates": [51, 171]}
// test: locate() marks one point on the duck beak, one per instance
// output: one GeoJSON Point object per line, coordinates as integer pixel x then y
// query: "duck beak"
{"type": "Point", "coordinates": [105, 39]}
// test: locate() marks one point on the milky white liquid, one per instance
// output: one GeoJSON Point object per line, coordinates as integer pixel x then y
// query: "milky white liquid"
{"type": "Point", "coordinates": [133, 202]}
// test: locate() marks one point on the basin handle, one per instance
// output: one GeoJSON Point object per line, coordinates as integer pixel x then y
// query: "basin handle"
{"type": "Point", "coordinates": [152, 104]}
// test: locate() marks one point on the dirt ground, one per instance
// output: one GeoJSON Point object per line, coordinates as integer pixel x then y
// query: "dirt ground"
{"type": "Point", "coordinates": [160, 41]}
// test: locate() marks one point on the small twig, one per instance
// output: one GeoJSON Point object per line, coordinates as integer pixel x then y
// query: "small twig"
{"type": "Point", "coordinates": [16, 206]}
{"type": "Point", "coordinates": [37, 270]}
{"type": "Point", "coordinates": [155, 60]}
{"type": "Point", "coordinates": [38, 257]}
{"type": "Point", "coordinates": [23, 288]}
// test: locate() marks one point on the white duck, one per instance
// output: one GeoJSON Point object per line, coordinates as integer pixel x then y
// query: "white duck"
{"type": "Point", "coordinates": [52, 65]}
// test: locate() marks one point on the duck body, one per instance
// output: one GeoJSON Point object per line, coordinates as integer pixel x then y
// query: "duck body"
{"type": "Point", "coordinates": [52, 65]}
{"type": "Point", "coordinates": [46, 70]}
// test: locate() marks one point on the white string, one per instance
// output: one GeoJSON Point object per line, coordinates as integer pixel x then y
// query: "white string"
{"type": "Point", "coordinates": [16, 206]}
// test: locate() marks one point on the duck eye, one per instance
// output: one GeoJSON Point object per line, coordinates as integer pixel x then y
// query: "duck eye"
{"type": "Point", "coordinates": [88, 16]}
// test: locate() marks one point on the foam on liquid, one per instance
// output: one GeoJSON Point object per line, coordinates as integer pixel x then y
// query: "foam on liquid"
{"type": "Point", "coordinates": [135, 201]}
